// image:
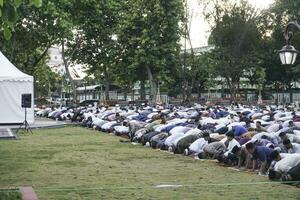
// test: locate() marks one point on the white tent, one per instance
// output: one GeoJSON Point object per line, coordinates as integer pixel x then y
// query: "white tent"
{"type": "Point", "coordinates": [14, 83]}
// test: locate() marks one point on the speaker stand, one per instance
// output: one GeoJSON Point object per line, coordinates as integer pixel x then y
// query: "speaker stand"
{"type": "Point", "coordinates": [26, 124]}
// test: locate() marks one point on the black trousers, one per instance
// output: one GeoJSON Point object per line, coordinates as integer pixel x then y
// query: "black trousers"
{"type": "Point", "coordinates": [295, 172]}
{"type": "Point", "coordinates": [231, 159]}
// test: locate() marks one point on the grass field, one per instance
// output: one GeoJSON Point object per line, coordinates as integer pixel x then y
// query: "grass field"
{"type": "Point", "coordinates": [77, 163]}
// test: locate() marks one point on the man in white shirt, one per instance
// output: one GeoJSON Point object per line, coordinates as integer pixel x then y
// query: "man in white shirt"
{"type": "Point", "coordinates": [293, 138]}
{"type": "Point", "coordinates": [197, 146]}
{"type": "Point", "coordinates": [229, 157]}
{"type": "Point", "coordinates": [276, 156]}
{"type": "Point", "coordinates": [284, 165]}
{"type": "Point", "coordinates": [230, 143]}
{"type": "Point", "coordinates": [169, 142]}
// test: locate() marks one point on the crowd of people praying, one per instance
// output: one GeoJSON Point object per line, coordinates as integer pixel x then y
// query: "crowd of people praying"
{"type": "Point", "coordinates": [261, 139]}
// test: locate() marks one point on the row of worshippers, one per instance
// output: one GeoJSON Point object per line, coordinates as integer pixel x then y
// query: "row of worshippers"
{"type": "Point", "coordinates": [251, 138]}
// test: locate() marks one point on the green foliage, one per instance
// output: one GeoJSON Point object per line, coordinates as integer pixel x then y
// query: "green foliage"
{"type": "Point", "coordinates": [11, 194]}
{"type": "Point", "coordinates": [196, 73]}
{"type": "Point", "coordinates": [35, 31]}
{"type": "Point", "coordinates": [279, 14]}
{"type": "Point", "coordinates": [46, 80]}
{"type": "Point", "coordinates": [237, 38]}
{"type": "Point", "coordinates": [138, 40]}
{"type": "Point", "coordinates": [95, 45]}
{"type": "Point", "coordinates": [149, 34]}
{"type": "Point", "coordinates": [9, 14]}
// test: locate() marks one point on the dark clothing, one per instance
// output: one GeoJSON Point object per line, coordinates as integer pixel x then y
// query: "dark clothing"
{"type": "Point", "coordinates": [222, 130]}
{"type": "Point", "coordinates": [161, 144]}
{"type": "Point", "coordinates": [185, 143]}
{"type": "Point", "coordinates": [157, 138]}
{"type": "Point", "coordinates": [210, 140]}
{"type": "Point", "coordinates": [214, 149]}
{"type": "Point", "coordinates": [295, 172]}
{"type": "Point", "coordinates": [231, 159]}
{"type": "Point", "coordinates": [221, 114]}
{"type": "Point", "coordinates": [239, 130]}
{"type": "Point", "coordinates": [244, 140]}
{"type": "Point", "coordinates": [147, 137]}
{"type": "Point", "coordinates": [262, 153]}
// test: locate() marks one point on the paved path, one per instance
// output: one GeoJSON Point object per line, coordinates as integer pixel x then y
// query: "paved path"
{"type": "Point", "coordinates": [39, 123]}
{"type": "Point", "coordinates": [28, 193]}
{"type": "Point", "coordinates": [6, 133]}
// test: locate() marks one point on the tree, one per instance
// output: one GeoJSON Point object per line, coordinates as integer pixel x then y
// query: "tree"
{"type": "Point", "coordinates": [95, 45]}
{"type": "Point", "coordinates": [236, 36]}
{"type": "Point", "coordinates": [278, 16]}
{"type": "Point", "coordinates": [149, 37]}
{"type": "Point", "coordinates": [194, 74]}
{"type": "Point", "coordinates": [36, 30]}
{"type": "Point", "coordinates": [46, 80]}
{"type": "Point", "coordinates": [9, 14]}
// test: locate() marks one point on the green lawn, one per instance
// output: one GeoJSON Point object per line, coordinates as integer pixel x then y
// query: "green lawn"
{"type": "Point", "coordinates": [77, 163]}
{"type": "Point", "coordinates": [10, 194]}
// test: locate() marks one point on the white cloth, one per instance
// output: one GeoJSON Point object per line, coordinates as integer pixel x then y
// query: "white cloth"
{"type": "Point", "coordinates": [108, 125]}
{"type": "Point", "coordinates": [257, 115]}
{"type": "Point", "coordinates": [169, 141]}
{"type": "Point", "coordinates": [285, 164]}
{"type": "Point", "coordinates": [231, 144]}
{"type": "Point", "coordinates": [170, 123]}
{"type": "Point", "coordinates": [293, 138]}
{"type": "Point", "coordinates": [295, 149]}
{"type": "Point", "coordinates": [151, 115]}
{"type": "Point", "coordinates": [98, 122]}
{"type": "Point", "coordinates": [121, 129]}
{"type": "Point", "coordinates": [296, 132]}
{"type": "Point", "coordinates": [198, 146]}
{"type": "Point", "coordinates": [273, 128]}
{"type": "Point", "coordinates": [14, 83]}
{"type": "Point", "coordinates": [179, 129]}
{"type": "Point", "coordinates": [191, 132]}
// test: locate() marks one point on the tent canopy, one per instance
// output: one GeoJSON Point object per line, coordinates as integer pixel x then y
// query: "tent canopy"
{"type": "Point", "coordinates": [14, 83]}
{"type": "Point", "coordinates": [8, 72]}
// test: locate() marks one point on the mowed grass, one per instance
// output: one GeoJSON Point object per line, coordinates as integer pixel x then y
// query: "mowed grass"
{"type": "Point", "coordinates": [77, 163]}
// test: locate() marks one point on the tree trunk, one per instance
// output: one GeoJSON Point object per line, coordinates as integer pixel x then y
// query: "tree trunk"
{"type": "Point", "coordinates": [152, 85]}
{"type": "Point", "coordinates": [291, 93]}
{"type": "Point", "coordinates": [259, 99]}
{"type": "Point", "coordinates": [231, 87]}
{"type": "Point", "coordinates": [143, 90]}
{"type": "Point", "coordinates": [132, 91]}
{"type": "Point", "coordinates": [66, 64]}
{"type": "Point", "coordinates": [107, 83]}
{"type": "Point", "coordinates": [125, 93]}
{"type": "Point", "coordinates": [36, 62]}
{"type": "Point", "coordinates": [184, 88]}
{"type": "Point", "coordinates": [106, 89]}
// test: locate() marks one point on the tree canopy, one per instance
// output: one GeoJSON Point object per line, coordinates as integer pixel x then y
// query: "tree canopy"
{"type": "Point", "coordinates": [129, 41]}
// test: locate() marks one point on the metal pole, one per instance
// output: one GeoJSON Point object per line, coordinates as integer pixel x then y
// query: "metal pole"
{"type": "Point", "coordinates": [185, 51]}
{"type": "Point", "coordinates": [69, 93]}
{"type": "Point", "coordinates": [85, 90]}
{"type": "Point", "coordinates": [36, 91]}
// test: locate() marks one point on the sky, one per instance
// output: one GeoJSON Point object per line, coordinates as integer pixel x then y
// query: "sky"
{"type": "Point", "coordinates": [199, 27]}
